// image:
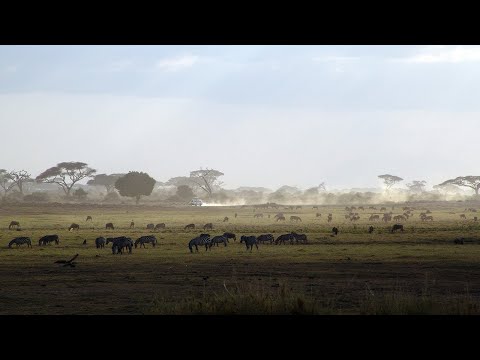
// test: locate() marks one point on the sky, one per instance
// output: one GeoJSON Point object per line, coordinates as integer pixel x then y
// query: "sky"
{"type": "Point", "coordinates": [263, 115]}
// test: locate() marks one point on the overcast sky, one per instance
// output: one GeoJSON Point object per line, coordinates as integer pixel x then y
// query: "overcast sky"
{"type": "Point", "coordinates": [263, 115]}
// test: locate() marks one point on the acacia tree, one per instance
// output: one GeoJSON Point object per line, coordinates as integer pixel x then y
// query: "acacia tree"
{"type": "Point", "coordinates": [473, 182]}
{"type": "Point", "coordinates": [185, 192]}
{"type": "Point", "coordinates": [135, 184]}
{"type": "Point", "coordinates": [105, 180]}
{"type": "Point", "coordinates": [206, 179]}
{"type": "Point", "coordinates": [6, 182]}
{"type": "Point", "coordinates": [390, 180]}
{"type": "Point", "coordinates": [417, 186]}
{"type": "Point", "coordinates": [447, 188]}
{"type": "Point", "coordinates": [20, 178]}
{"type": "Point", "coordinates": [66, 175]}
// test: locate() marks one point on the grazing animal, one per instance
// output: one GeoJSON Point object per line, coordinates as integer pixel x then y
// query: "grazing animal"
{"type": "Point", "coordinates": [335, 231]}
{"type": "Point", "coordinates": [315, 207]}
{"type": "Point", "coordinates": [427, 218]}
{"type": "Point", "coordinates": [318, 215]}
{"type": "Point", "coordinates": [84, 242]}
{"type": "Point", "coordinates": [397, 227]}
{"type": "Point", "coordinates": [283, 238]}
{"type": "Point", "coordinates": [230, 236]}
{"type": "Point", "coordinates": [370, 229]}
{"type": "Point", "coordinates": [149, 239]}
{"type": "Point", "coordinates": [89, 218]}
{"type": "Point", "coordinates": [225, 219]}
{"type": "Point", "coordinates": [383, 209]}
{"type": "Point", "coordinates": [330, 218]}
{"type": "Point", "coordinates": [48, 239]}
{"type": "Point", "coordinates": [281, 218]}
{"type": "Point", "coordinates": [132, 225]}
{"type": "Point", "coordinates": [374, 218]}
{"type": "Point", "coordinates": [459, 241]}
{"type": "Point", "coordinates": [100, 242]}
{"type": "Point", "coordinates": [160, 226]}
{"type": "Point", "coordinates": [150, 226]}
{"type": "Point", "coordinates": [300, 237]}
{"type": "Point", "coordinates": [399, 218]}
{"type": "Point", "coordinates": [15, 224]}
{"type": "Point", "coordinates": [208, 226]}
{"type": "Point", "coordinates": [249, 242]}
{"type": "Point", "coordinates": [256, 216]}
{"type": "Point", "coordinates": [203, 239]}
{"type": "Point", "coordinates": [218, 240]}
{"type": "Point", "coordinates": [295, 218]}
{"type": "Point", "coordinates": [428, 212]}
{"type": "Point", "coordinates": [189, 226]}
{"type": "Point", "coordinates": [74, 227]}
{"type": "Point", "coordinates": [20, 241]}
{"type": "Point", "coordinates": [462, 216]}
{"type": "Point", "coordinates": [109, 226]}
{"type": "Point", "coordinates": [236, 215]}
{"type": "Point", "coordinates": [266, 237]}
{"type": "Point", "coordinates": [120, 243]}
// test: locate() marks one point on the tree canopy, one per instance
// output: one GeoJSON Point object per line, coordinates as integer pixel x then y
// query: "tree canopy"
{"type": "Point", "coordinates": [105, 180]}
{"type": "Point", "coordinates": [390, 180]}
{"type": "Point", "coordinates": [66, 174]}
{"type": "Point", "coordinates": [470, 181]}
{"type": "Point", "coordinates": [135, 184]}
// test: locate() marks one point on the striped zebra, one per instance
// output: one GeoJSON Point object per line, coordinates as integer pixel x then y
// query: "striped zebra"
{"type": "Point", "coordinates": [149, 239]}
{"type": "Point", "coordinates": [48, 239]}
{"type": "Point", "coordinates": [266, 237]}
{"type": "Point", "coordinates": [300, 237]}
{"type": "Point", "coordinates": [203, 239]}
{"type": "Point", "coordinates": [120, 243]}
{"type": "Point", "coordinates": [283, 238]}
{"type": "Point", "coordinates": [229, 235]}
{"type": "Point", "coordinates": [20, 241]}
{"type": "Point", "coordinates": [218, 239]}
{"type": "Point", "coordinates": [249, 241]}
{"type": "Point", "coordinates": [100, 242]}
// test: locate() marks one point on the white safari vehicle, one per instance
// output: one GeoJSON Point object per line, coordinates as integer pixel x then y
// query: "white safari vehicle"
{"type": "Point", "coordinates": [196, 202]}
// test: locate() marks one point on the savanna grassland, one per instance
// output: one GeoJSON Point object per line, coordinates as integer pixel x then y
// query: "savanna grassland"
{"type": "Point", "coordinates": [419, 271]}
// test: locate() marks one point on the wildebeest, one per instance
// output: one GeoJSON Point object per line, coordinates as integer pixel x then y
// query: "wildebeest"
{"type": "Point", "coordinates": [225, 219]}
{"type": "Point", "coordinates": [295, 218]}
{"type": "Point", "coordinates": [335, 231]}
{"type": "Point", "coordinates": [370, 229]}
{"type": "Point", "coordinates": [318, 215]}
{"type": "Point", "coordinates": [281, 218]}
{"type": "Point", "coordinates": [189, 226]}
{"type": "Point", "coordinates": [300, 237]}
{"type": "Point", "coordinates": [20, 241]}
{"type": "Point", "coordinates": [399, 218]}
{"type": "Point", "coordinates": [229, 235]}
{"type": "Point", "coordinates": [265, 238]}
{"type": "Point", "coordinates": [160, 226]}
{"type": "Point", "coordinates": [132, 225]}
{"type": "Point", "coordinates": [463, 216]}
{"type": "Point", "coordinates": [218, 240]}
{"type": "Point", "coordinates": [208, 226]}
{"type": "Point", "coordinates": [109, 226]}
{"type": "Point", "coordinates": [397, 227]}
{"type": "Point", "coordinates": [74, 227]}
{"type": "Point", "coordinates": [89, 218]}
{"type": "Point", "coordinates": [150, 226]}
{"type": "Point", "coordinates": [249, 241]}
{"type": "Point", "coordinates": [13, 224]}
{"type": "Point", "coordinates": [120, 243]}
{"type": "Point", "coordinates": [100, 242]}
{"type": "Point", "coordinates": [283, 238]}
{"type": "Point", "coordinates": [459, 241]}
{"type": "Point", "coordinates": [48, 239]}
{"type": "Point", "coordinates": [256, 216]}
{"type": "Point", "coordinates": [203, 239]}
{"type": "Point", "coordinates": [149, 239]}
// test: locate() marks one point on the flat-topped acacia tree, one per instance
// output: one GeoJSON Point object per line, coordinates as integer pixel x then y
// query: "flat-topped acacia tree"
{"type": "Point", "coordinates": [135, 184]}
{"type": "Point", "coordinates": [66, 175]}
{"type": "Point", "coordinates": [473, 182]}
{"type": "Point", "coordinates": [390, 180]}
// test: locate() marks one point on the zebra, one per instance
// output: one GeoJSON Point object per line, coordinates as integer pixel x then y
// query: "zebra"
{"type": "Point", "coordinates": [160, 226]}
{"type": "Point", "coordinates": [109, 226]}
{"type": "Point", "coordinates": [249, 241]}
{"type": "Point", "coordinates": [189, 226]}
{"type": "Point", "coordinates": [100, 242]}
{"type": "Point", "coordinates": [281, 218]}
{"type": "Point", "coordinates": [397, 227]}
{"type": "Point", "coordinates": [20, 241]}
{"type": "Point", "coordinates": [208, 226]}
{"type": "Point", "coordinates": [12, 224]}
{"type": "Point", "coordinates": [218, 239]}
{"type": "Point", "coordinates": [295, 218]}
{"type": "Point", "coordinates": [230, 236]}
{"type": "Point", "coordinates": [283, 238]}
{"type": "Point", "coordinates": [146, 239]}
{"type": "Point", "coordinates": [300, 237]}
{"type": "Point", "coordinates": [266, 237]}
{"type": "Point", "coordinates": [258, 216]}
{"type": "Point", "coordinates": [335, 230]}
{"type": "Point", "coordinates": [203, 239]}
{"type": "Point", "coordinates": [150, 226]}
{"type": "Point", "coordinates": [48, 239]}
{"type": "Point", "coordinates": [74, 227]}
{"type": "Point", "coordinates": [119, 243]}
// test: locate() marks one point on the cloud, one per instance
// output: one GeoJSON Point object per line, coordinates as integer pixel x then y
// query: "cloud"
{"type": "Point", "coordinates": [444, 54]}
{"type": "Point", "coordinates": [177, 63]}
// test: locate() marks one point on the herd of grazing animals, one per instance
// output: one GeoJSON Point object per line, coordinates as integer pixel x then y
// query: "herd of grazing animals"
{"type": "Point", "coordinates": [125, 244]}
